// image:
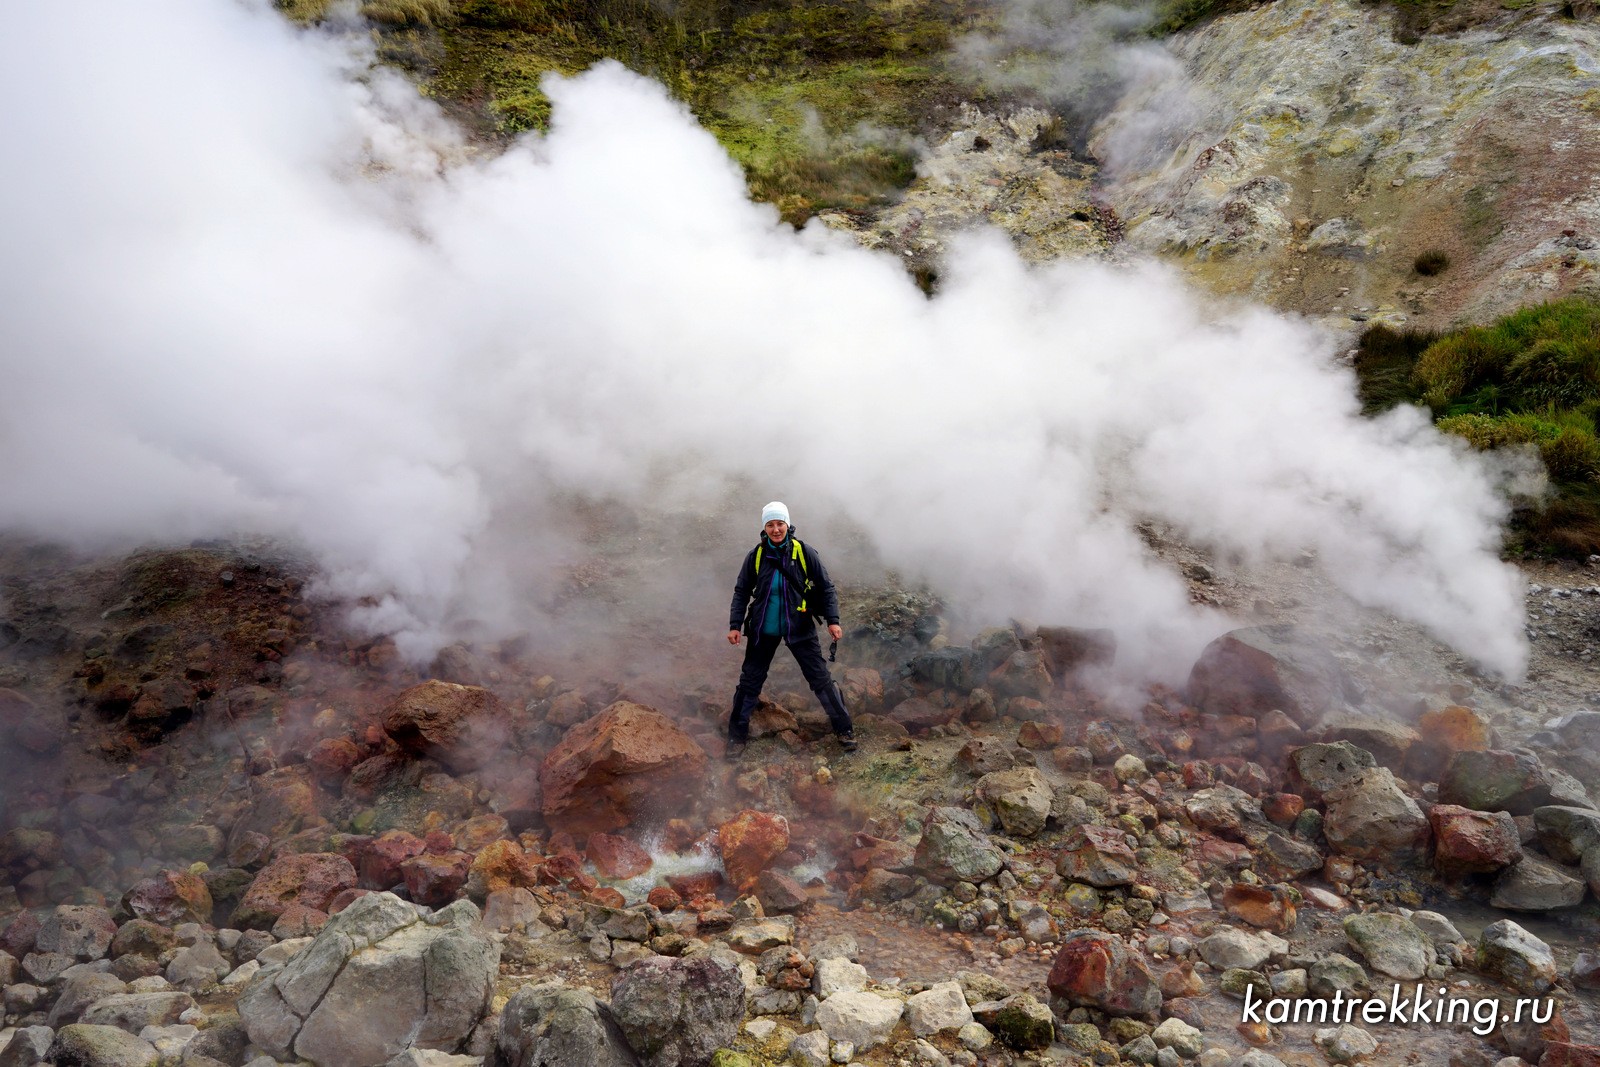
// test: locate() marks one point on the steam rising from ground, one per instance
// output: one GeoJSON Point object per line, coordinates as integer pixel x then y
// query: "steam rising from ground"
{"type": "Point", "coordinates": [250, 283]}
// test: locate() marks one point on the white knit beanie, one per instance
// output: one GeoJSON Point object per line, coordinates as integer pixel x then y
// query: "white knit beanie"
{"type": "Point", "coordinates": [775, 510]}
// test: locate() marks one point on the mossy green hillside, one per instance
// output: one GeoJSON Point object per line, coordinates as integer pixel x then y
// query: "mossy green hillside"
{"type": "Point", "coordinates": [1530, 379]}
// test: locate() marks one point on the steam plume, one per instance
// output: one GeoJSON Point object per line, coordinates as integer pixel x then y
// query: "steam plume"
{"type": "Point", "coordinates": [253, 283]}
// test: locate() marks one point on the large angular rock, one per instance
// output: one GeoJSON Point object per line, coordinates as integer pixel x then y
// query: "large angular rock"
{"type": "Point", "coordinates": [1391, 945]}
{"type": "Point", "coordinates": [749, 842]}
{"type": "Point", "coordinates": [78, 992]}
{"type": "Point", "coordinates": [1388, 741]}
{"type": "Point", "coordinates": [1508, 952]}
{"type": "Point", "coordinates": [627, 761]}
{"type": "Point", "coordinates": [461, 726]}
{"type": "Point", "coordinates": [1098, 856]}
{"type": "Point", "coordinates": [954, 847]}
{"type": "Point", "coordinates": [1018, 800]}
{"type": "Point", "coordinates": [81, 1045]}
{"type": "Point", "coordinates": [1532, 884]}
{"type": "Point", "coordinates": [434, 977]}
{"type": "Point", "coordinates": [81, 931]}
{"type": "Point", "coordinates": [952, 667]}
{"type": "Point", "coordinates": [309, 879]}
{"type": "Point", "coordinates": [941, 1007]}
{"type": "Point", "coordinates": [1566, 834]}
{"type": "Point", "coordinates": [861, 1018]}
{"type": "Point", "coordinates": [1317, 770]}
{"type": "Point", "coordinates": [551, 1025]}
{"type": "Point", "coordinates": [1495, 780]}
{"type": "Point", "coordinates": [1258, 669]}
{"type": "Point", "coordinates": [1473, 842]}
{"type": "Point", "coordinates": [1371, 818]}
{"type": "Point", "coordinates": [1023, 674]}
{"type": "Point", "coordinates": [677, 1012]}
{"type": "Point", "coordinates": [1097, 970]}
{"type": "Point", "coordinates": [29, 1047]}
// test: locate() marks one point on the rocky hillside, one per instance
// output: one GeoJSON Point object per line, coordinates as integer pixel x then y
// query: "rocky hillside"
{"type": "Point", "coordinates": [232, 832]}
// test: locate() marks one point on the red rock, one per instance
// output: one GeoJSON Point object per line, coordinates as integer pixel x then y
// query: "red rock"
{"type": "Point", "coordinates": [503, 865]}
{"type": "Point", "coordinates": [1198, 774]}
{"type": "Point", "coordinates": [1097, 970]}
{"type": "Point", "coordinates": [606, 897]}
{"type": "Point", "coordinates": [436, 880]}
{"type": "Point", "coordinates": [617, 857]}
{"type": "Point", "coordinates": [479, 832]}
{"type": "Point", "coordinates": [298, 920]}
{"type": "Point", "coordinates": [1564, 1054]}
{"type": "Point", "coordinates": [863, 689]}
{"type": "Point", "coordinates": [1258, 669]}
{"type": "Point", "coordinates": [19, 935]}
{"type": "Point", "coordinates": [778, 892]}
{"type": "Point", "coordinates": [664, 897]}
{"type": "Point", "coordinates": [1038, 736]}
{"type": "Point", "coordinates": [1269, 907]}
{"type": "Point", "coordinates": [680, 835]}
{"type": "Point", "coordinates": [381, 859]}
{"type": "Point", "coordinates": [170, 898]}
{"type": "Point", "coordinates": [692, 886]}
{"type": "Point", "coordinates": [1283, 808]}
{"type": "Point", "coordinates": [627, 761]}
{"type": "Point", "coordinates": [1098, 856]}
{"type": "Point", "coordinates": [749, 842]}
{"type": "Point", "coordinates": [464, 727]}
{"type": "Point", "coordinates": [1228, 855]}
{"type": "Point", "coordinates": [1473, 842]}
{"type": "Point", "coordinates": [332, 758]}
{"type": "Point", "coordinates": [438, 842]}
{"type": "Point", "coordinates": [345, 899]}
{"type": "Point", "coordinates": [311, 878]}
{"type": "Point", "coordinates": [1071, 758]}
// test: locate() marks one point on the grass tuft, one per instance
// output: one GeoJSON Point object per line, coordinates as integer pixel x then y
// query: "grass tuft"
{"type": "Point", "coordinates": [1431, 262]}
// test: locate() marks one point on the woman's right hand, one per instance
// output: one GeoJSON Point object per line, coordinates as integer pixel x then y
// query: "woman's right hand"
{"type": "Point", "coordinates": [733, 637]}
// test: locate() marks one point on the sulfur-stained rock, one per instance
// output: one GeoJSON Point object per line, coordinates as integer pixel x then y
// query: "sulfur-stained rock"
{"type": "Point", "coordinates": [749, 842]}
{"type": "Point", "coordinates": [1098, 970]}
{"type": "Point", "coordinates": [1019, 800]}
{"type": "Point", "coordinates": [1473, 842]}
{"type": "Point", "coordinates": [1442, 733]}
{"type": "Point", "coordinates": [463, 727]}
{"type": "Point", "coordinates": [499, 866]}
{"type": "Point", "coordinates": [616, 857]}
{"type": "Point", "coordinates": [954, 847]}
{"type": "Point", "coordinates": [1267, 907]}
{"type": "Point", "coordinates": [627, 761]}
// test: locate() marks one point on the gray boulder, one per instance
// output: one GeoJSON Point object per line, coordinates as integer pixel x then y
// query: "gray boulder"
{"type": "Point", "coordinates": [1564, 833]}
{"type": "Point", "coordinates": [864, 1019]}
{"type": "Point", "coordinates": [1317, 770]}
{"type": "Point", "coordinates": [79, 992]}
{"type": "Point", "coordinates": [135, 1011]}
{"type": "Point", "coordinates": [1391, 945]}
{"type": "Point", "coordinates": [1508, 952]}
{"type": "Point", "coordinates": [1532, 884]}
{"type": "Point", "coordinates": [29, 1047]}
{"type": "Point", "coordinates": [81, 931]}
{"type": "Point", "coordinates": [551, 1025]}
{"type": "Point", "coordinates": [1371, 818]}
{"type": "Point", "coordinates": [81, 1045]}
{"type": "Point", "coordinates": [677, 1012]}
{"type": "Point", "coordinates": [434, 976]}
{"type": "Point", "coordinates": [1018, 801]}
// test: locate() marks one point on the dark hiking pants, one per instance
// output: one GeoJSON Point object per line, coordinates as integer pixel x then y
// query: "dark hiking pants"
{"type": "Point", "coordinates": [758, 655]}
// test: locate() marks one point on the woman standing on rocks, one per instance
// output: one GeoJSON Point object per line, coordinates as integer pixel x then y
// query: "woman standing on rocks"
{"type": "Point", "coordinates": [781, 591]}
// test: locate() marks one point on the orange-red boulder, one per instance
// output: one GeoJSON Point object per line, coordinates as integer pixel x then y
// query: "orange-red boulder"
{"type": "Point", "coordinates": [749, 842]}
{"type": "Point", "coordinates": [464, 727]}
{"type": "Point", "coordinates": [1097, 970]}
{"type": "Point", "coordinates": [381, 859]}
{"type": "Point", "coordinates": [1473, 842]}
{"type": "Point", "coordinates": [627, 761]}
{"type": "Point", "coordinates": [617, 857]}
{"type": "Point", "coordinates": [504, 865]}
{"type": "Point", "coordinates": [435, 880]}
{"type": "Point", "coordinates": [309, 878]}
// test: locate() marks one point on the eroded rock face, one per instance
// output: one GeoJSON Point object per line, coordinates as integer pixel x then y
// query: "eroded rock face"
{"type": "Point", "coordinates": [434, 976]}
{"type": "Point", "coordinates": [627, 761]}
{"type": "Point", "coordinates": [1097, 970]}
{"type": "Point", "coordinates": [461, 726]}
{"type": "Point", "coordinates": [1258, 669]}
{"type": "Point", "coordinates": [677, 1012]}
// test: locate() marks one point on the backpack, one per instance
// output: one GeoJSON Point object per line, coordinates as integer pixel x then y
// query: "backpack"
{"type": "Point", "coordinates": [801, 581]}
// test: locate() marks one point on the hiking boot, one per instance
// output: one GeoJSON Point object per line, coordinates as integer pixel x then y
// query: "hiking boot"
{"type": "Point", "coordinates": [848, 742]}
{"type": "Point", "coordinates": [734, 750]}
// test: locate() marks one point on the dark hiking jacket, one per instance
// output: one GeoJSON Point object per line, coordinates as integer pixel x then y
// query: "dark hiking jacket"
{"type": "Point", "coordinates": [751, 591]}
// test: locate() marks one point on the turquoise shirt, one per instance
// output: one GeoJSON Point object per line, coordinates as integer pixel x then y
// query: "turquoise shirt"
{"type": "Point", "coordinates": [772, 625]}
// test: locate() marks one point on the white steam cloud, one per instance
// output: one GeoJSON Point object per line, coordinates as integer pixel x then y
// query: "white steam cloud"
{"type": "Point", "coordinates": [250, 283]}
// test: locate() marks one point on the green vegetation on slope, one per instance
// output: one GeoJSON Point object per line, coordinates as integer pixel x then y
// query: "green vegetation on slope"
{"type": "Point", "coordinates": [819, 101]}
{"type": "Point", "coordinates": [1530, 379]}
